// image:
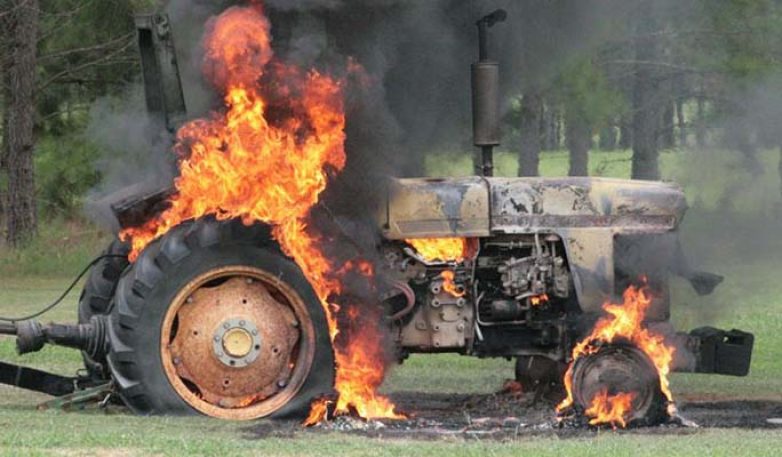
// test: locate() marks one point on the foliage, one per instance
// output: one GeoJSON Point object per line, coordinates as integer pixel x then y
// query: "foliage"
{"type": "Point", "coordinates": [584, 92]}
{"type": "Point", "coordinates": [65, 172]}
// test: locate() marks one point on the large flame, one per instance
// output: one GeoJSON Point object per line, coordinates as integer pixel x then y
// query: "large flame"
{"type": "Point", "coordinates": [441, 249]}
{"type": "Point", "coordinates": [267, 157]}
{"type": "Point", "coordinates": [623, 322]}
{"type": "Point", "coordinates": [610, 409]}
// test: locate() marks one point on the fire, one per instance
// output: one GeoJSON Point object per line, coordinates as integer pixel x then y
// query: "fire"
{"type": "Point", "coordinates": [441, 249]}
{"type": "Point", "coordinates": [449, 286]}
{"type": "Point", "coordinates": [610, 409]}
{"type": "Point", "coordinates": [623, 322]}
{"type": "Point", "coordinates": [538, 300]}
{"type": "Point", "coordinates": [267, 157]}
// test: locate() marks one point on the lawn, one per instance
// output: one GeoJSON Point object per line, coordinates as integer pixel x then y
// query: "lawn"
{"type": "Point", "coordinates": [741, 243]}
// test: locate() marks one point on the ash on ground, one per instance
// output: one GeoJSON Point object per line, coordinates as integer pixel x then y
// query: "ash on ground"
{"type": "Point", "coordinates": [511, 414]}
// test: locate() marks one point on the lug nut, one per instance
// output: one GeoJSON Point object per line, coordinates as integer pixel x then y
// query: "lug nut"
{"type": "Point", "coordinates": [282, 383]}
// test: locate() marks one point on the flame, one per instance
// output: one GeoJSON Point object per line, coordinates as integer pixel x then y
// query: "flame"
{"type": "Point", "coordinates": [624, 321]}
{"type": "Point", "coordinates": [610, 409]}
{"type": "Point", "coordinates": [538, 300]}
{"type": "Point", "coordinates": [441, 249]}
{"type": "Point", "coordinates": [267, 158]}
{"type": "Point", "coordinates": [449, 286]}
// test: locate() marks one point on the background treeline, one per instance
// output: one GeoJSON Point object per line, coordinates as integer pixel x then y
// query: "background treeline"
{"type": "Point", "coordinates": [630, 78]}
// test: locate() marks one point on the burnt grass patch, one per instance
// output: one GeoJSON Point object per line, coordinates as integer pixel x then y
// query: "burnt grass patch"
{"type": "Point", "coordinates": [511, 415]}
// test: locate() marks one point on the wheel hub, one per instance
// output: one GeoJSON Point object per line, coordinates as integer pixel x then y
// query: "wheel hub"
{"type": "Point", "coordinates": [237, 343]}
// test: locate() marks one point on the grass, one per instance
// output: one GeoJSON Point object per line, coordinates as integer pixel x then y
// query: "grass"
{"type": "Point", "coordinates": [741, 243]}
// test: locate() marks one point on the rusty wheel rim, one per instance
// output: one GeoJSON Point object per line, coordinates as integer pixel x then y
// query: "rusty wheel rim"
{"type": "Point", "coordinates": [237, 343]}
{"type": "Point", "coordinates": [618, 369]}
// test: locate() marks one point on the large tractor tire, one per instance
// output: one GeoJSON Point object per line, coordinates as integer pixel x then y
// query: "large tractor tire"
{"type": "Point", "coordinates": [213, 319]}
{"type": "Point", "coordinates": [98, 293]}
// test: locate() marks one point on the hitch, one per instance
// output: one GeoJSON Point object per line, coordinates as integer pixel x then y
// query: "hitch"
{"type": "Point", "coordinates": [32, 336]}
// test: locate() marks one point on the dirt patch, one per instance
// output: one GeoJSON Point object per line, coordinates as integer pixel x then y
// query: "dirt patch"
{"type": "Point", "coordinates": [508, 415]}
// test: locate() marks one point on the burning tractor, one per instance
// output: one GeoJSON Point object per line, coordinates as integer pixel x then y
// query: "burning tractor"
{"type": "Point", "coordinates": [219, 298]}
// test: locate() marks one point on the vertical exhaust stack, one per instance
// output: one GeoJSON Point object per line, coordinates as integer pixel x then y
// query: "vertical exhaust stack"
{"type": "Point", "coordinates": [486, 96]}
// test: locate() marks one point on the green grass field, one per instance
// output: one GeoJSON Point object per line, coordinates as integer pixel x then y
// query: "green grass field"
{"type": "Point", "coordinates": [741, 244]}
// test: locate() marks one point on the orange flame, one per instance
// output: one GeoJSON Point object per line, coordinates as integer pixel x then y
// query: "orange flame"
{"type": "Point", "coordinates": [449, 285]}
{"type": "Point", "coordinates": [624, 321]}
{"type": "Point", "coordinates": [538, 300]}
{"type": "Point", "coordinates": [610, 409]}
{"type": "Point", "coordinates": [267, 157]}
{"type": "Point", "coordinates": [441, 249]}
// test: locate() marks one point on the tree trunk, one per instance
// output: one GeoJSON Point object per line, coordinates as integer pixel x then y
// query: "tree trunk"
{"type": "Point", "coordinates": [668, 125]}
{"type": "Point", "coordinates": [608, 138]}
{"type": "Point", "coordinates": [700, 127]}
{"type": "Point", "coordinates": [550, 129]}
{"type": "Point", "coordinates": [646, 104]}
{"type": "Point", "coordinates": [529, 154]}
{"type": "Point", "coordinates": [625, 134]}
{"type": "Point", "coordinates": [21, 223]}
{"type": "Point", "coordinates": [579, 141]}
{"type": "Point", "coordinates": [681, 122]}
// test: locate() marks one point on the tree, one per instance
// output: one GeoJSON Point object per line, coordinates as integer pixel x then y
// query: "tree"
{"type": "Point", "coordinates": [590, 104]}
{"type": "Point", "coordinates": [20, 23]}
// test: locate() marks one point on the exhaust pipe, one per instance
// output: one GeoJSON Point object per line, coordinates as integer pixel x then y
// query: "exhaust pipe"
{"type": "Point", "coordinates": [486, 96]}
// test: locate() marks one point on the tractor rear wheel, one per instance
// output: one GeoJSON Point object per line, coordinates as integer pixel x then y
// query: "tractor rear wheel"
{"type": "Point", "coordinates": [97, 294]}
{"type": "Point", "coordinates": [214, 319]}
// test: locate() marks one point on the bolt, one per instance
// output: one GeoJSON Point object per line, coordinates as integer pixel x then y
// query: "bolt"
{"type": "Point", "coordinates": [220, 355]}
{"type": "Point", "coordinates": [226, 325]}
{"type": "Point", "coordinates": [241, 323]}
{"type": "Point", "coordinates": [249, 280]}
{"type": "Point", "coordinates": [282, 383]}
{"type": "Point", "coordinates": [295, 324]}
{"type": "Point", "coordinates": [189, 300]}
{"type": "Point", "coordinates": [217, 339]}
{"type": "Point", "coordinates": [255, 332]}
{"type": "Point", "coordinates": [177, 360]}
{"type": "Point", "coordinates": [460, 327]}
